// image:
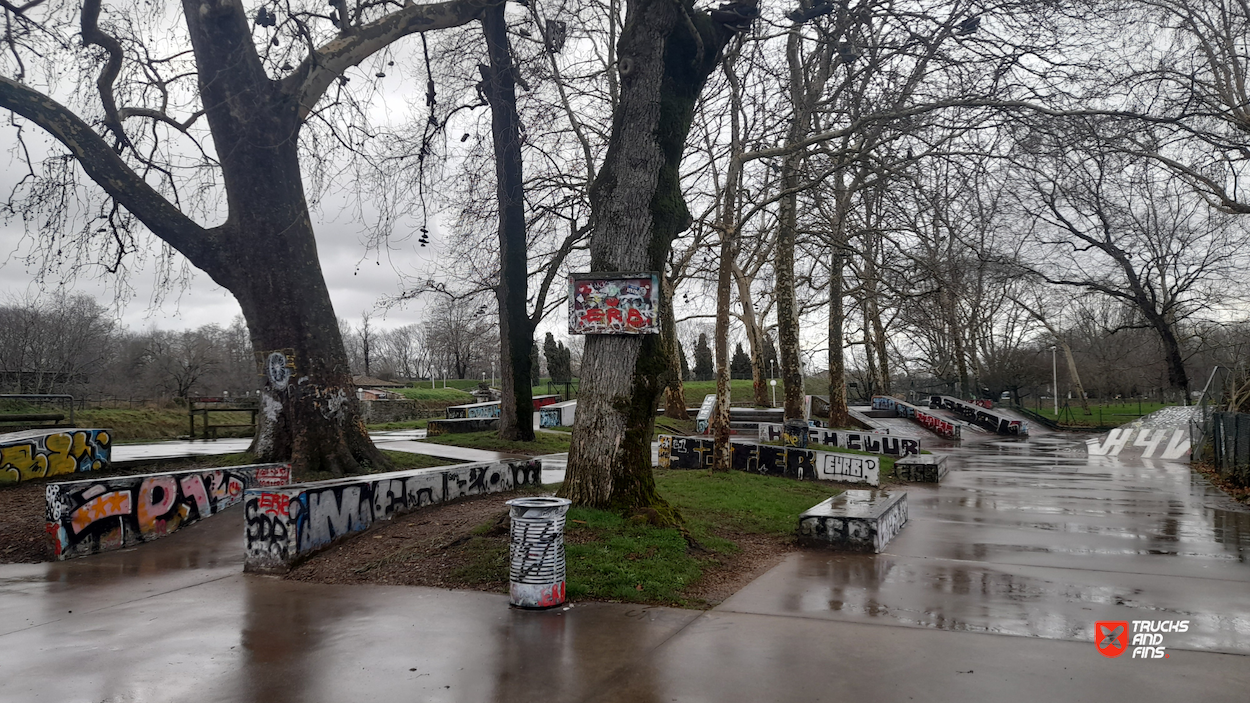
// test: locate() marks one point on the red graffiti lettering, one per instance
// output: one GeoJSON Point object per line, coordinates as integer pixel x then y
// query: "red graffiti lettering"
{"type": "Point", "coordinates": [593, 315]}
{"type": "Point", "coordinates": [635, 319]}
{"type": "Point", "coordinates": [274, 503]}
{"type": "Point", "coordinates": [613, 315]}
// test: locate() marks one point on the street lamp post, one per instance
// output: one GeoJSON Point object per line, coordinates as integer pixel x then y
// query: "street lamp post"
{"type": "Point", "coordinates": [1054, 378]}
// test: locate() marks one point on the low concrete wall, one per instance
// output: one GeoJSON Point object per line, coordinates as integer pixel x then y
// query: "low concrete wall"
{"type": "Point", "coordinates": [42, 453]}
{"type": "Point", "coordinates": [434, 428]}
{"type": "Point", "coordinates": [558, 414]}
{"type": "Point", "coordinates": [489, 409]}
{"type": "Point", "coordinates": [876, 442]}
{"type": "Point", "coordinates": [772, 460]}
{"type": "Point", "coordinates": [287, 525]}
{"type": "Point", "coordinates": [86, 517]}
{"type": "Point", "coordinates": [376, 412]}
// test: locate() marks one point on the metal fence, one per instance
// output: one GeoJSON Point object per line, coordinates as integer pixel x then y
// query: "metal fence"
{"type": "Point", "coordinates": [1225, 444]}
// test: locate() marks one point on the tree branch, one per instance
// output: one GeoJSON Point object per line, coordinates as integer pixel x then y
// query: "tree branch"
{"type": "Point", "coordinates": [106, 168]}
{"type": "Point", "coordinates": [314, 75]}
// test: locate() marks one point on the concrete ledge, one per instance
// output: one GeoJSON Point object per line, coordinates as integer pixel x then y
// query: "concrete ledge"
{"type": "Point", "coordinates": [772, 460]}
{"type": "Point", "coordinates": [856, 521]}
{"type": "Point", "coordinates": [52, 452]}
{"type": "Point", "coordinates": [287, 525]}
{"type": "Point", "coordinates": [922, 468]}
{"type": "Point", "coordinates": [488, 409]}
{"type": "Point", "coordinates": [876, 442]}
{"type": "Point", "coordinates": [91, 516]}
{"type": "Point", "coordinates": [434, 428]}
{"type": "Point", "coordinates": [938, 426]}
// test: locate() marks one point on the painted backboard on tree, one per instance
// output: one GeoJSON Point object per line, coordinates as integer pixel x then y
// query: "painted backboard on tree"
{"type": "Point", "coordinates": [614, 303]}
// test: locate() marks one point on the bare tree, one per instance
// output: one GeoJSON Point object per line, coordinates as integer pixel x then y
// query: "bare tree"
{"type": "Point", "coordinates": [244, 94]}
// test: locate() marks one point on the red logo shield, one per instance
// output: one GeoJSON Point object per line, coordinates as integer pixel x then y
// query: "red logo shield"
{"type": "Point", "coordinates": [1111, 637]}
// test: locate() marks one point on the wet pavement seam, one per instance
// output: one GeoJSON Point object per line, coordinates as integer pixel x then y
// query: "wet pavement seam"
{"type": "Point", "coordinates": [905, 626]}
{"type": "Point", "coordinates": [125, 603]}
{"type": "Point", "coordinates": [994, 564]}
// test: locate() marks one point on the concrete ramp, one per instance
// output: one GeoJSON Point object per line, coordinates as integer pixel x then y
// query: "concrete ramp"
{"type": "Point", "coordinates": [1163, 434]}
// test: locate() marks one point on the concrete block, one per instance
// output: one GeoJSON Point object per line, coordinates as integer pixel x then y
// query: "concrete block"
{"type": "Point", "coordinates": [97, 515]}
{"type": "Point", "coordinates": [469, 424]}
{"type": "Point", "coordinates": [855, 521]}
{"type": "Point", "coordinates": [286, 525]}
{"type": "Point", "coordinates": [921, 468]}
{"type": "Point", "coordinates": [52, 452]}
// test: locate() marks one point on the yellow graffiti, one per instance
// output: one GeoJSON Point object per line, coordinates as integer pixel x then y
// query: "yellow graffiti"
{"type": "Point", "coordinates": [20, 462]}
{"type": "Point", "coordinates": [59, 459]}
{"type": "Point", "coordinates": [62, 452]}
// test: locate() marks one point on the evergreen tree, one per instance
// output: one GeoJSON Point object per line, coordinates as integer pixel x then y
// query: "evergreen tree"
{"type": "Point", "coordinates": [771, 366]}
{"type": "Point", "coordinates": [740, 364]}
{"type": "Point", "coordinates": [703, 368]}
{"type": "Point", "coordinates": [535, 367]}
{"type": "Point", "coordinates": [552, 354]}
{"type": "Point", "coordinates": [685, 364]}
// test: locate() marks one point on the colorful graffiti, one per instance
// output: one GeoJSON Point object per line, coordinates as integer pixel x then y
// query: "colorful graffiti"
{"type": "Point", "coordinates": [87, 517]}
{"type": "Point", "coordinates": [43, 453]}
{"type": "Point", "coordinates": [979, 413]}
{"type": "Point", "coordinates": [933, 423]}
{"type": "Point", "coordinates": [609, 303]}
{"type": "Point", "coordinates": [772, 460]}
{"type": "Point", "coordinates": [488, 409]}
{"type": "Point", "coordinates": [285, 525]}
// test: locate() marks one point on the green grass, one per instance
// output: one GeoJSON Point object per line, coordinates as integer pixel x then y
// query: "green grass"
{"type": "Point", "coordinates": [1101, 415]}
{"type": "Point", "coordinates": [668, 425]}
{"type": "Point", "coordinates": [149, 423]}
{"type": "Point", "coordinates": [611, 558]}
{"type": "Point", "coordinates": [424, 392]}
{"type": "Point", "coordinates": [544, 442]}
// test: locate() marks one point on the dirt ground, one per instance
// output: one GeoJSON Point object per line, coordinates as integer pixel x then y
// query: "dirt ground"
{"type": "Point", "coordinates": [439, 547]}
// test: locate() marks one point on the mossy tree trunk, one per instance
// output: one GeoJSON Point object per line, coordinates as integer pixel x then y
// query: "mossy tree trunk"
{"type": "Point", "coordinates": [666, 52]}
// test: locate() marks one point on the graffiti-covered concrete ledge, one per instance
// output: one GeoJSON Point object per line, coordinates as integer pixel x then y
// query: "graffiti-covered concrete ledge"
{"type": "Point", "coordinates": [286, 525]}
{"type": "Point", "coordinates": [771, 460]}
{"type": "Point", "coordinates": [98, 515]}
{"type": "Point", "coordinates": [52, 452]}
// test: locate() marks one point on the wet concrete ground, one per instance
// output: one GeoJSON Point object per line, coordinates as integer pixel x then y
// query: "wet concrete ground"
{"type": "Point", "coordinates": [989, 593]}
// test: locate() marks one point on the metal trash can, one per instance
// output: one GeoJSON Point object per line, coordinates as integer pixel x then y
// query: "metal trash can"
{"type": "Point", "coordinates": [536, 551]}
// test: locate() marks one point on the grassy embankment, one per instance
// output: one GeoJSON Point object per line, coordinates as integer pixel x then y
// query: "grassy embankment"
{"type": "Point", "coordinates": [1101, 414]}
{"type": "Point", "coordinates": [614, 558]}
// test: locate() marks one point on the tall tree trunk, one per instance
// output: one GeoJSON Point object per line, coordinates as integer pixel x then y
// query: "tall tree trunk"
{"type": "Point", "coordinates": [787, 231]}
{"type": "Point", "coordinates": [839, 413]}
{"type": "Point", "coordinates": [720, 419]}
{"type": "Point", "coordinates": [674, 391]}
{"type": "Point", "coordinates": [309, 411]}
{"type": "Point", "coordinates": [755, 339]}
{"type": "Point", "coordinates": [1076, 378]}
{"type": "Point", "coordinates": [638, 209]}
{"type": "Point", "coordinates": [516, 330]}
